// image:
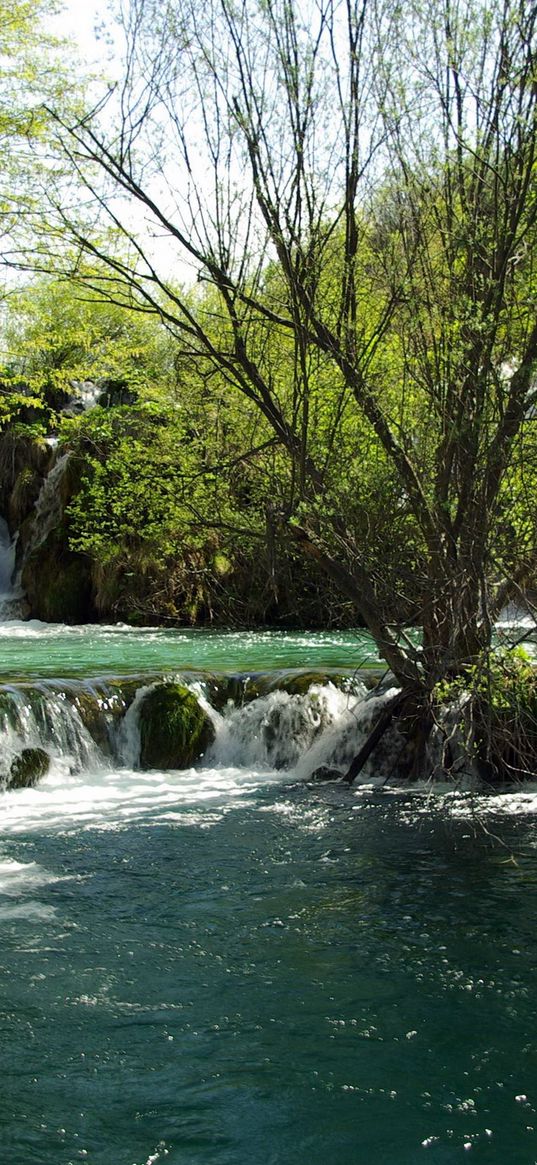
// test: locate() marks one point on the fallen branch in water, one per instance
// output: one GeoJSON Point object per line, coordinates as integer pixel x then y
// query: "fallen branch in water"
{"type": "Point", "coordinates": [376, 734]}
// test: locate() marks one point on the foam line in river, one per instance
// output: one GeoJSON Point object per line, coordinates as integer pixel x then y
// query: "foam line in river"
{"type": "Point", "coordinates": [90, 733]}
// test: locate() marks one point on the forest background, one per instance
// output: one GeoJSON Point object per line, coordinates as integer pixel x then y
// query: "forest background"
{"type": "Point", "coordinates": [290, 250]}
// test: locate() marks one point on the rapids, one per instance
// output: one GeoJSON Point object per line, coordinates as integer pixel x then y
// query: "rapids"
{"type": "Point", "coordinates": [230, 965]}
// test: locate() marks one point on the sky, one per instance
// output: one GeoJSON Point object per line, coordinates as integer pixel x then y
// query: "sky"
{"type": "Point", "coordinates": [79, 21]}
{"type": "Point", "coordinates": [85, 21]}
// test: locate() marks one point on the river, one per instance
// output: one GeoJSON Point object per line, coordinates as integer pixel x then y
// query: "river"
{"type": "Point", "coordinates": [232, 966]}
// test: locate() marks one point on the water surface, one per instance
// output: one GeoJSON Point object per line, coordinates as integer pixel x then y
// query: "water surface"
{"type": "Point", "coordinates": [228, 966]}
{"type": "Point", "coordinates": [54, 649]}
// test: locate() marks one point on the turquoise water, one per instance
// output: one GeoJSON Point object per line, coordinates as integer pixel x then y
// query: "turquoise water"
{"type": "Point", "coordinates": [38, 649]}
{"type": "Point", "coordinates": [226, 966]}
{"type": "Point", "coordinates": [300, 979]}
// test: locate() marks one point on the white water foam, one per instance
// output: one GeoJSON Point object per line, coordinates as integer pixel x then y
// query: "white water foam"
{"type": "Point", "coordinates": [118, 797]}
{"type": "Point", "coordinates": [278, 729]}
{"type": "Point", "coordinates": [278, 738]}
{"type": "Point", "coordinates": [48, 507]}
{"type": "Point", "coordinates": [128, 735]}
{"type": "Point", "coordinates": [517, 618]}
{"type": "Point", "coordinates": [50, 722]}
{"type": "Point", "coordinates": [29, 911]}
{"type": "Point", "coordinates": [21, 877]}
{"type": "Point", "coordinates": [19, 882]}
{"type": "Point", "coordinates": [10, 591]}
{"type": "Point", "coordinates": [106, 632]}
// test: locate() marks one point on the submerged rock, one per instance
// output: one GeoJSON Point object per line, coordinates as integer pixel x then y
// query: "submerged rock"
{"type": "Point", "coordinates": [326, 774]}
{"type": "Point", "coordinates": [28, 768]}
{"type": "Point", "coordinates": [174, 729]}
{"type": "Point", "coordinates": [298, 683]}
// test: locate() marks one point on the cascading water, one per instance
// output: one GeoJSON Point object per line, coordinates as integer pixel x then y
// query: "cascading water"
{"type": "Point", "coordinates": [88, 393]}
{"type": "Point", "coordinates": [283, 732]}
{"type": "Point", "coordinates": [46, 516]}
{"type": "Point", "coordinates": [90, 732]}
{"type": "Point", "coordinates": [225, 964]}
{"type": "Point", "coordinates": [10, 592]}
{"type": "Point", "coordinates": [275, 729]}
{"type": "Point", "coordinates": [49, 505]}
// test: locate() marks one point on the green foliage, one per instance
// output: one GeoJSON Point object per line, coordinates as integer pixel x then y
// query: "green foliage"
{"type": "Point", "coordinates": [36, 73]}
{"type": "Point", "coordinates": [184, 493]}
{"type": "Point", "coordinates": [135, 467]}
{"type": "Point", "coordinates": [506, 678]}
{"type": "Point", "coordinates": [17, 404]}
{"type": "Point", "coordinates": [56, 338]}
{"type": "Point", "coordinates": [498, 697]}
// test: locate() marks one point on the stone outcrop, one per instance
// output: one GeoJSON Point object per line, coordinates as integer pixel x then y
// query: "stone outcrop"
{"type": "Point", "coordinates": [175, 731]}
{"type": "Point", "coordinates": [28, 768]}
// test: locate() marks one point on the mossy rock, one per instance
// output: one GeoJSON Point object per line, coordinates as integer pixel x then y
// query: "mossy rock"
{"type": "Point", "coordinates": [174, 730]}
{"type": "Point", "coordinates": [243, 688]}
{"type": "Point", "coordinates": [92, 716]}
{"type": "Point", "coordinates": [102, 709]}
{"type": "Point", "coordinates": [57, 582]}
{"type": "Point", "coordinates": [28, 768]}
{"type": "Point", "coordinates": [301, 682]}
{"type": "Point", "coordinates": [326, 774]}
{"type": "Point", "coordinates": [20, 452]}
{"type": "Point", "coordinates": [298, 683]}
{"type": "Point", "coordinates": [23, 496]}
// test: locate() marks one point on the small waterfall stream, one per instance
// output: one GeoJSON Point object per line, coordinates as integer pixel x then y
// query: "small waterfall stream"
{"type": "Point", "coordinates": [46, 515]}
{"type": "Point", "coordinates": [10, 592]}
{"type": "Point", "coordinates": [49, 506]}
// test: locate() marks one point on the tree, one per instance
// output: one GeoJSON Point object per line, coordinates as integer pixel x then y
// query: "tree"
{"type": "Point", "coordinates": [33, 73]}
{"type": "Point", "coordinates": [355, 184]}
{"type": "Point", "coordinates": [168, 476]}
{"type": "Point", "coordinates": [54, 337]}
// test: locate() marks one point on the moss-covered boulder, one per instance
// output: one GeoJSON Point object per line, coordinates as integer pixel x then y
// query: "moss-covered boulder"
{"type": "Point", "coordinates": [28, 768]}
{"type": "Point", "coordinates": [58, 582]}
{"type": "Point", "coordinates": [93, 716]}
{"type": "Point", "coordinates": [326, 774]}
{"type": "Point", "coordinates": [174, 729]}
{"type": "Point", "coordinates": [102, 705]}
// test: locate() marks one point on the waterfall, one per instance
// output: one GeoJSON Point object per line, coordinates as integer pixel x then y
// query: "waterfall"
{"type": "Point", "coordinates": [278, 729]}
{"type": "Point", "coordinates": [47, 515]}
{"type": "Point", "coordinates": [10, 592]}
{"type": "Point", "coordinates": [49, 506]}
{"type": "Point", "coordinates": [90, 725]}
{"type": "Point", "coordinates": [76, 722]}
{"type": "Point", "coordinates": [325, 727]}
{"type": "Point", "coordinates": [87, 395]}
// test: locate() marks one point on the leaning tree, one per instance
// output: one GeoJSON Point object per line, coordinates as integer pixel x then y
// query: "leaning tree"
{"type": "Point", "coordinates": [333, 205]}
